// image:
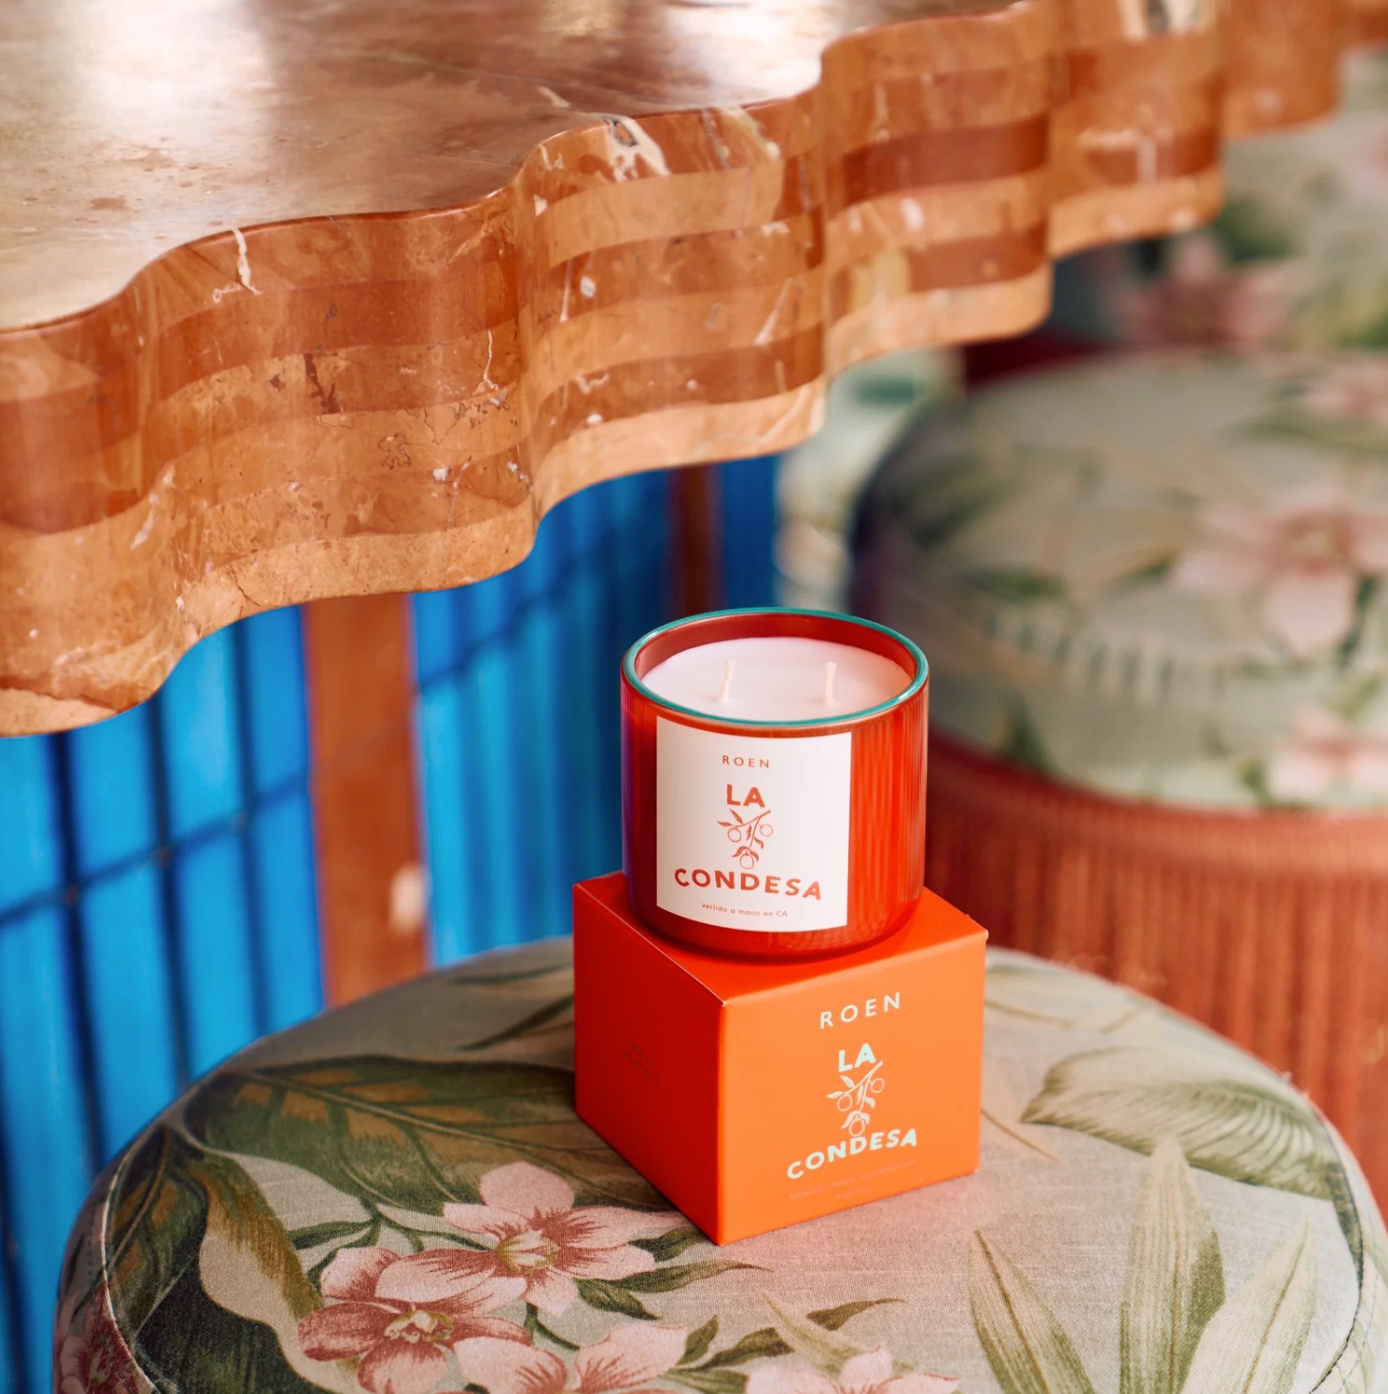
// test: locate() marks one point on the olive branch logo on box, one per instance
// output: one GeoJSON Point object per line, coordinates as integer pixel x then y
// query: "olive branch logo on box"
{"type": "Point", "coordinates": [856, 1098]}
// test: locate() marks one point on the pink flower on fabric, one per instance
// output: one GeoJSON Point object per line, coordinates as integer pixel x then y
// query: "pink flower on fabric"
{"type": "Point", "coordinates": [402, 1336]}
{"type": "Point", "coordinates": [538, 1236]}
{"type": "Point", "coordinates": [96, 1360]}
{"type": "Point", "coordinates": [869, 1373]}
{"type": "Point", "coordinates": [1357, 389]}
{"type": "Point", "coordinates": [1305, 554]}
{"type": "Point", "coordinates": [1324, 751]}
{"type": "Point", "coordinates": [626, 1358]}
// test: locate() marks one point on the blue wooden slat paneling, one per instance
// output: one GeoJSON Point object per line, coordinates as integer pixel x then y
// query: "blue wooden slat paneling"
{"type": "Point", "coordinates": [747, 505]}
{"type": "Point", "coordinates": [518, 716]}
{"type": "Point", "coordinates": [539, 650]}
{"type": "Point", "coordinates": [31, 850]}
{"type": "Point", "coordinates": [199, 724]}
{"type": "Point", "coordinates": [271, 649]}
{"type": "Point", "coordinates": [615, 581]}
{"type": "Point", "coordinates": [147, 928]}
{"type": "Point", "coordinates": [216, 960]}
{"type": "Point", "coordinates": [281, 837]}
{"type": "Point", "coordinates": [486, 609]}
{"type": "Point", "coordinates": [45, 1153]}
{"type": "Point", "coordinates": [437, 637]}
{"type": "Point", "coordinates": [131, 1007]}
{"type": "Point", "coordinates": [282, 909]}
{"type": "Point", "coordinates": [114, 807]}
{"type": "Point", "coordinates": [655, 535]}
{"type": "Point", "coordinates": [135, 1039]}
{"type": "Point", "coordinates": [584, 658]}
{"type": "Point", "coordinates": [579, 621]}
{"type": "Point", "coordinates": [9, 1311]}
{"type": "Point", "coordinates": [538, 656]}
{"type": "Point", "coordinates": [201, 728]}
{"type": "Point", "coordinates": [497, 794]}
{"type": "Point", "coordinates": [31, 868]}
{"type": "Point", "coordinates": [451, 840]}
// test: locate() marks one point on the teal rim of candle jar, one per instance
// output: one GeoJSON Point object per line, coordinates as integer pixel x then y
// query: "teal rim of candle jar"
{"type": "Point", "coordinates": [845, 719]}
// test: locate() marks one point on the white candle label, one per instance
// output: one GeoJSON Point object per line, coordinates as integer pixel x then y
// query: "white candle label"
{"type": "Point", "coordinates": [752, 833]}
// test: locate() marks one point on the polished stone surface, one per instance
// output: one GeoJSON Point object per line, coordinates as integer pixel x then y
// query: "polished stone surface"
{"type": "Point", "coordinates": [339, 298]}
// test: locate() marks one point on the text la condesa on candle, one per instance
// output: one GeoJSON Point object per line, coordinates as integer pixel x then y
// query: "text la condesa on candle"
{"type": "Point", "coordinates": [748, 881]}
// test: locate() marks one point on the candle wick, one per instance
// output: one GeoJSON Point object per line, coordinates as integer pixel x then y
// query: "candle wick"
{"type": "Point", "coordinates": [725, 692]}
{"type": "Point", "coordinates": [829, 670]}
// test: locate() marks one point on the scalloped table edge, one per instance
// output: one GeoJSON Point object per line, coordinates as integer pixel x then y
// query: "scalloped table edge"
{"type": "Point", "coordinates": [392, 402]}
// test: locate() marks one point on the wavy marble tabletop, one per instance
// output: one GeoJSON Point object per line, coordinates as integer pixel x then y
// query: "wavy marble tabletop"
{"type": "Point", "coordinates": [339, 296]}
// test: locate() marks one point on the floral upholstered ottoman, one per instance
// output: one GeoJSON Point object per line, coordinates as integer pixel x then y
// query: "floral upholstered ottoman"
{"type": "Point", "coordinates": [1152, 591]}
{"type": "Point", "coordinates": [398, 1198]}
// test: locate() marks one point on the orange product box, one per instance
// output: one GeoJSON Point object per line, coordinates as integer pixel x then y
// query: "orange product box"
{"type": "Point", "coordinates": [760, 1094]}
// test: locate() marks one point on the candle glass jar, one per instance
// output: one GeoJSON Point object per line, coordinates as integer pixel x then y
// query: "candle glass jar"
{"type": "Point", "coordinates": [771, 838]}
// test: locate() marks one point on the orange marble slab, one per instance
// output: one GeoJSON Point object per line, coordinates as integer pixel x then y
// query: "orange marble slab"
{"type": "Point", "coordinates": [340, 296]}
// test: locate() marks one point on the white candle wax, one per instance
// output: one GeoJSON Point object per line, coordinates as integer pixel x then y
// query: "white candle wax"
{"type": "Point", "coordinates": [777, 678]}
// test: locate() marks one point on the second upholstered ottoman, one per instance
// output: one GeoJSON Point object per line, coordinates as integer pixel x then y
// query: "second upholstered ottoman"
{"type": "Point", "coordinates": [1152, 591]}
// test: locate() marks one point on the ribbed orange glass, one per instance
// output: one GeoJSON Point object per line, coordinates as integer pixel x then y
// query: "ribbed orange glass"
{"type": "Point", "coordinates": [886, 820]}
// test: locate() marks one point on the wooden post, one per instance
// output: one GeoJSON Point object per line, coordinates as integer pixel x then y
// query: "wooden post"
{"type": "Point", "coordinates": [372, 891]}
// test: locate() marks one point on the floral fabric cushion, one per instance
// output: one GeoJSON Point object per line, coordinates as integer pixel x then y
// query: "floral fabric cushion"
{"type": "Point", "coordinates": [1155, 576]}
{"type": "Point", "coordinates": [398, 1199]}
{"type": "Point", "coordinates": [1296, 260]}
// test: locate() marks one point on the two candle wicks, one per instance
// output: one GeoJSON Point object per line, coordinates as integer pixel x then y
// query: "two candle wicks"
{"type": "Point", "coordinates": [725, 693]}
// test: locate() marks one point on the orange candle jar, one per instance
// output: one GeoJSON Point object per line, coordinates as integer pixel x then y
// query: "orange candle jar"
{"type": "Point", "coordinates": [773, 781]}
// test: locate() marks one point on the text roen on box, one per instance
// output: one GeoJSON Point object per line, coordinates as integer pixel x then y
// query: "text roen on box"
{"type": "Point", "coordinates": [757, 1095]}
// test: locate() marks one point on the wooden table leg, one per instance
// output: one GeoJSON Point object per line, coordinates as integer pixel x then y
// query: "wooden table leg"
{"type": "Point", "coordinates": [372, 891]}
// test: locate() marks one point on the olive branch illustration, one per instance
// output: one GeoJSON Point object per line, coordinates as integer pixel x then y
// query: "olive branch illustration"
{"type": "Point", "coordinates": [855, 1099]}
{"type": "Point", "coordinates": [748, 836]}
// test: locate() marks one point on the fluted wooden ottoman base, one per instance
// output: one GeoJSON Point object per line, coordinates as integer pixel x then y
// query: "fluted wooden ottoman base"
{"type": "Point", "coordinates": [1270, 928]}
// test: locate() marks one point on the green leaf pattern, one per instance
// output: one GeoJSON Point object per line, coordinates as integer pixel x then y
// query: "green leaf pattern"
{"type": "Point", "coordinates": [1175, 1278]}
{"type": "Point", "coordinates": [294, 1224]}
{"type": "Point", "coordinates": [1025, 1344]}
{"type": "Point", "coordinates": [1254, 1344]}
{"type": "Point", "coordinates": [1238, 1126]}
{"type": "Point", "coordinates": [1178, 1334]}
